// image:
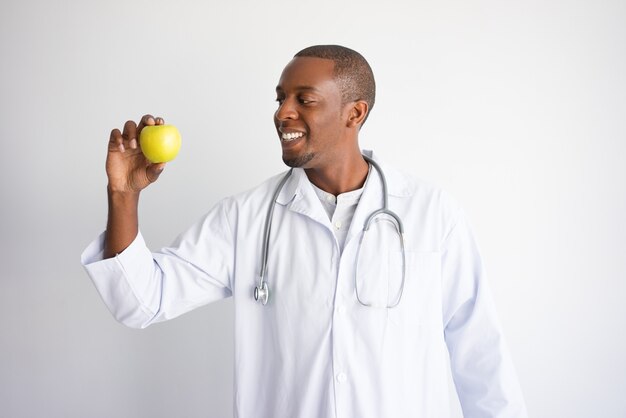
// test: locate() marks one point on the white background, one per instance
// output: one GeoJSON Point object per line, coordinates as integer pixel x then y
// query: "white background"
{"type": "Point", "coordinates": [518, 109]}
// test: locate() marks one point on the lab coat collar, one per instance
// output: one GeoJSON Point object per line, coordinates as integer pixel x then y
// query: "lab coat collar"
{"type": "Point", "coordinates": [397, 182]}
{"type": "Point", "coordinates": [298, 194]}
{"type": "Point", "coordinates": [398, 186]}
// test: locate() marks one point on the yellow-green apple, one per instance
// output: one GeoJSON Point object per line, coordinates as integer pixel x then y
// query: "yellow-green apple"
{"type": "Point", "coordinates": [160, 143]}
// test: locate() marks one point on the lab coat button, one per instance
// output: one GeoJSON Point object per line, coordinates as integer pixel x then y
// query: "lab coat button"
{"type": "Point", "coordinates": [342, 377]}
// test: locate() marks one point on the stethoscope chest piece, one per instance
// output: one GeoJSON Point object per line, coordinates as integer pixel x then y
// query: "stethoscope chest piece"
{"type": "Point", "coordinates": [262, 293]}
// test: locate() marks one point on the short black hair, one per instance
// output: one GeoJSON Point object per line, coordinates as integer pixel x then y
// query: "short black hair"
{"type": "Point", "coordinates": [352, 72]}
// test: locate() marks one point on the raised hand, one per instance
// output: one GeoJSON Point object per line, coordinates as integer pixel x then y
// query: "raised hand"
{"type": "Point", "coordinates": [129, 172]}
{"type": "Point", "coordinates": [127, 169]}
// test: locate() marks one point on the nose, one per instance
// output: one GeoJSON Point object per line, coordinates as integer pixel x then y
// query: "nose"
{"type": "Point", "coordinates": [286, 110]}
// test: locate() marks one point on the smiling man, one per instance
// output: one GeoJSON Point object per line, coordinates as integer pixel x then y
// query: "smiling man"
{"type": "Point", "coordinates": [335, 327]}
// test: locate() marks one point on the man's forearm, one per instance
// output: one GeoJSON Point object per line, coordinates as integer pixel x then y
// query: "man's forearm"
{"type": "Point", "coordinates": [122, 222]}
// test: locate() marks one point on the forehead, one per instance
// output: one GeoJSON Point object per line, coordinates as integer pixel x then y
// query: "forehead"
{"type": "Point", "coordinates": [308, 72]}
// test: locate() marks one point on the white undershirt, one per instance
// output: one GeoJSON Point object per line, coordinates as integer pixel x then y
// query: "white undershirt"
{"type": "Point", "coordinates": [340, 210]}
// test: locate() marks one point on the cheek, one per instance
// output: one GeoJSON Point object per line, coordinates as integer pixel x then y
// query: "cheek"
{"type": "Point", "coordinates": [331, 123]}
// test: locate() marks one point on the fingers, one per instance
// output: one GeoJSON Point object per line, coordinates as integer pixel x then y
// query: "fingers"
{"type": "Point", "coordinates": [116, 141]}
{"type": "Point", "coordinates": [153, 171]}
{"type": "Point", "coordinates": [146, 120]}
{"type": "Point", "coordinates": [128, 139]}
{"type": "Point", "coordinates": [149, 120]}
{"type": "Point", "coordinates": [130, 134]}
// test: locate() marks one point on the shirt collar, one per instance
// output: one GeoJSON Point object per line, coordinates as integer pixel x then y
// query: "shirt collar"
{"type": "Point", "coordinates": [397, 183]}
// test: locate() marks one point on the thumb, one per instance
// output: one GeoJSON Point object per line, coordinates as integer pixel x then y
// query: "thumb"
{"type": "Point", "coordinates": [153, 171]}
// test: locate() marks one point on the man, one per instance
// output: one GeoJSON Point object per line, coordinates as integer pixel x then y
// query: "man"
{"type": "Point", "coordinates": [351, 328]}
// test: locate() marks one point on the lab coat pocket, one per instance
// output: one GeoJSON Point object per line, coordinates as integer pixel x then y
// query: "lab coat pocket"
{"type": "Point", "coordinates": [379, 271]}
{"type": "Point", "coordinates": [421, 296]}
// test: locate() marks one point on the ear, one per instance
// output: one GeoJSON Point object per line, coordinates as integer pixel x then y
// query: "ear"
{"type": "Point", "coordinates": [358, 112]}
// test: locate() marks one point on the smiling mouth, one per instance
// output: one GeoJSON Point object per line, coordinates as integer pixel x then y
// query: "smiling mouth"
{"type": "Point", "coordinates": [287, 137]}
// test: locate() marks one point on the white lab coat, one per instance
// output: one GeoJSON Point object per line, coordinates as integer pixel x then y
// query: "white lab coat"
{"type": "Point", "coordinates": [313, 350]}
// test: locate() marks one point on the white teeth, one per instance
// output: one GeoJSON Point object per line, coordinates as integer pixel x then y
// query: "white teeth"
{"type": "Point", "coordinates": [291, 136]}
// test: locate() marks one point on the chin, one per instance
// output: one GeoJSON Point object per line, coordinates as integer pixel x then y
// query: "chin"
{"type": "Point", "coordinates": [298, 161]}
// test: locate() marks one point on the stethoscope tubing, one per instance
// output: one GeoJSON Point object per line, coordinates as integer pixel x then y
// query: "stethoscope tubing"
{"type": "Point", "coordinates": [261, 291]}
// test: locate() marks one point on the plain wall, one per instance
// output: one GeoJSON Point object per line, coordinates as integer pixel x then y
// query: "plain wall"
{"type": "Point", "coordinates": [517, 109]}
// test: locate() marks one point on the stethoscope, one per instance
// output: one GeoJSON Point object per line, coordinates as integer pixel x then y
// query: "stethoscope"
{"type": "Point", "coordinates": [262, 292]}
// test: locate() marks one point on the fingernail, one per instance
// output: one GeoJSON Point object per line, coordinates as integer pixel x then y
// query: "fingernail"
{"type": "Point", "coordinates": [133, 143]}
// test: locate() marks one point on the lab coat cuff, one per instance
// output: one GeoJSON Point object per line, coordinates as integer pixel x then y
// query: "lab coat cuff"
{"type": "Point", "coordinates": [113, 283]}
{"type": "Point", "coordinates": [94, 252]}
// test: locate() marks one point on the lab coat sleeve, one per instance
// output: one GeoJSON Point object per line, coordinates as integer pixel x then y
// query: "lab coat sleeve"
{"type": "Point", "coordinates": [483, 372]}
{"type": "Point", "coordinates": [140, 287]}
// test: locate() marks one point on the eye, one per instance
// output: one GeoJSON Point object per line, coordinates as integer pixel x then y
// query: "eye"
{"type": "Point", "coordinates": [305, 100]}
{"type": "Point", "coordinates": [280, 100]}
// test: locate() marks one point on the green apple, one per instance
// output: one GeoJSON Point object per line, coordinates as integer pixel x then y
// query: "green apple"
{"type": "Point", "coordinates": [160, 143]}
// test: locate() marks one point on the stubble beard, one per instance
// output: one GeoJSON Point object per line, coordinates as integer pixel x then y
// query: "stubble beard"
{"type": "Point", "coordinates": [298, 161]}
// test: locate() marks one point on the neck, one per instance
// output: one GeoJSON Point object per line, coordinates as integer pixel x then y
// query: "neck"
{"type": "Point", "coordinates": [343, 176]}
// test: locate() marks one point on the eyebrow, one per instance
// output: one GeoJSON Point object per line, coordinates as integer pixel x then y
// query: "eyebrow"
{"type": "Point", "coordinates": [300, 88]}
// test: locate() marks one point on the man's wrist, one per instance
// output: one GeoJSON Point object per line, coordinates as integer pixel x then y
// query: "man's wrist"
{"type": "Point", "coordinates": [122, 197]}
